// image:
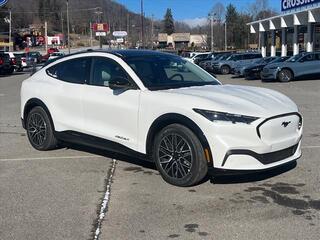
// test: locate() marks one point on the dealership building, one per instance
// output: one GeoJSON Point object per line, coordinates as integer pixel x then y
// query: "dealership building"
{"type": "Point", "coordinates": [296, 29]}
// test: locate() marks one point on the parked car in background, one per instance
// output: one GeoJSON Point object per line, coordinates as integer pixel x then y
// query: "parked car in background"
{"type": "Point", "coordinates": [15, 64]}
{"type": "Point", "coordinates": [52, 50]}
{"type": "Point", "coordinates": [21, 61]}
{"type": "Point", "coordinates": [301, 65]}
{"type": "Point", "coordinates": [225, 66]}
{"type": "Point", "coordinates": [197, 55]}
{"type": "Point", "coordinates": [208, 65]}
{"type": "Point", "coordinates": [253, 71]}
{"type": "Point", "coordinates": [203, 57]}
{"type": "Point", "coordinates": [240, 68]}
{"type": "Point", "coordinates": [5, 64]}
{"type": "Point", "coordinates": [32, 57]}
{"type": "Point", "coordinates": [49, 52]}
{"type": "Point", "coordinates": [55, 55]}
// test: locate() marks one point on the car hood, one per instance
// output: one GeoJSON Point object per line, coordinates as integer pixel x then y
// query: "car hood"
{"type": "Point", "coordinates": [251, 66]}
{"type": "Point", "coordinates": [251, 101]}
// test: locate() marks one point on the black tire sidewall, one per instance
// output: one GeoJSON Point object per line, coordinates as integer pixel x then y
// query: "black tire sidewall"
{"type": "Point", "coordinates": [197, 153]}
{"type": "Point", "coordinates": [225, 69]}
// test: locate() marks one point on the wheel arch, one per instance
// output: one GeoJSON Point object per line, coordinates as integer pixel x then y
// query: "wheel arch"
{"type": "Point", "coordinates": [32, 103]}
{"type": "Point", "coordinates": [172, 118]}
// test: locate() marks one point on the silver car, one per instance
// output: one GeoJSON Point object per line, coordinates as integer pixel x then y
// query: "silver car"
{"type": "Point", "coordinates": [229, 64]}
{"type": "Point", "coordinates": [301, 65]}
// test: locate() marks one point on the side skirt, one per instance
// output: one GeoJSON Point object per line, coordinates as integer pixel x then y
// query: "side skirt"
{"type": "Point", "coordinates": [99, 143]}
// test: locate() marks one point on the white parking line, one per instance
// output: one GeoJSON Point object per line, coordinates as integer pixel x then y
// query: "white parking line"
{"type": "Point", "coordinates": [47, 158]}
{"type": "Point", "coordinates": [310, 147]}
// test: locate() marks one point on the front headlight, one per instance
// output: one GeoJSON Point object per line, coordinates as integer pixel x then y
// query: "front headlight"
{"type": "Point", "coordinates": [272, 68]}
{"type": "Point", "coordinates": [225, 117]}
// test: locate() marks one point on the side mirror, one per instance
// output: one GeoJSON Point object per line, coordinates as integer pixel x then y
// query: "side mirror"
{"type": "Point", "coordinates": [120, 83]}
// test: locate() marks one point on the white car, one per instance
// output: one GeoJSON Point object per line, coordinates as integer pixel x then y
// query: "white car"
{"type": "Point", "coordinates": [195, 55]}
{"type": "Point", "coordinates": [162, 108]}
{"type": "Point", "coordinates": [55, 55]}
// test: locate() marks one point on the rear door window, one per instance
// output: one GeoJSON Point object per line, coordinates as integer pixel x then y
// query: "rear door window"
{"type": "Point", "coordinates": [72, 71]}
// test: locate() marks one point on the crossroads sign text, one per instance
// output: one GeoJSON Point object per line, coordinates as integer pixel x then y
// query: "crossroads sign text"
{"type": "Point", "coordinates": [292, 4]}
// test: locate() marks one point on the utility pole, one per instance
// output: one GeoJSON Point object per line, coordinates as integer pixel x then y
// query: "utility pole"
{"type": "Point", "coordinates": [90, 34]}
{"type": "Point", "coordinates": [211, 20]}
{"type": "Point", "coordinates": [128, 24]}
{"type": "Point", "coordinates": [99, 13]}
{"type": "Point", "coordinates": [46, 35]}
{"type": "Point", "coordinates": [10, 30]}
{"type": "Point", "coordinates": [152, 30]}
{"type": "Point", "coordinates": [62, 30]}
{"type": "Point", "coordinates": [225, 37]}
{"type": "Point", "coordinates": [68, 26]}
{"type": "Point", "coordinates": [142, 25]}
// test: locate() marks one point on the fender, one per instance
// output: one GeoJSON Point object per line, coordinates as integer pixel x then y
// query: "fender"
{"type": "Point", "coordinates": [171, 118]}
{"type": "Point", "coordinates": [31, 103]}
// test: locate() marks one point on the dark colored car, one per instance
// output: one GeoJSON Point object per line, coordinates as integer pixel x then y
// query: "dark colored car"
{"type": "Point", "coordinates": [32, 57]}
{"type": "Point", "coordinates": [253, 71]}
{"type": "Point", "coordinates": [208, 65]}
{"type": "Point", "coordinates": [6, 66]}
{"type": "Point", "coordinates": [203, 57]}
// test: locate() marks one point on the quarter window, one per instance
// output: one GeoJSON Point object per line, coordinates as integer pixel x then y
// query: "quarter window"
{"type": "Point", "coordinates": [73, 71]}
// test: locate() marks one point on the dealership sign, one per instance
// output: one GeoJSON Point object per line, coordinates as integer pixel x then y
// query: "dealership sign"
{"type": "Point", "coordinates": [292, 4]}
{"type": "Point", "coordinates": [3, 2]}
{"type": "Point", "coordinates": [100, 27]}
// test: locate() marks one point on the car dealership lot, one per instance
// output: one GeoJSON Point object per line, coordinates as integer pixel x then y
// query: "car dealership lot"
{"type": "Point", "coordinates": [56, 194]}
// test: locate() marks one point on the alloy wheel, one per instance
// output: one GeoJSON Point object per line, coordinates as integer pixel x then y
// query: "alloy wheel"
{"type": "Point", "coordinates": [175, 156]}
{"type": "Point", "coordinates": [37, 129]}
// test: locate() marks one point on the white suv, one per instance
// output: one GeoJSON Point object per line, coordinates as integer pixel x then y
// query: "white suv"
{"type": "Point", "coordinates": [162, 108]}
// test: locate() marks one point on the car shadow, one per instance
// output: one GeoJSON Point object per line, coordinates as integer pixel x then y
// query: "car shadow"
{"type": "Point", "coordinates": [251, 177]}
{"type": "Point", "coordinates": [213, 179]}
{"type": "Point", "coordinates": [112, 155]}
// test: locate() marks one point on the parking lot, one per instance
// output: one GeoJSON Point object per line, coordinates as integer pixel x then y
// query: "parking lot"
{"type": "Point", "coordinates": [58, 194]}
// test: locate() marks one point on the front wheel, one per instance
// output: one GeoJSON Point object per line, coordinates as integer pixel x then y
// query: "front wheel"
{"type": "Point", "coordinates": [40, 130]}
{"type": "Point", "coordinates": [225, 69]}
{"type": "Point", "coordinates": [179, 156]}
{"type": "Point", "coordinates": [285, 75]}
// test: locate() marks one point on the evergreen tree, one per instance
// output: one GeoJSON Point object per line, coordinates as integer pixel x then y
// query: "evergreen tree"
{"type": "Point", "coordinates": [232, 19]}
{"type": "Point", "coordinates": [168, 22]}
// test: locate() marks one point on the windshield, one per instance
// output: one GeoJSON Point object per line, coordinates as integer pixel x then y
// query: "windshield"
{"type": "Point", "coordinates": [279, 59]}
{"type": "Point", "coordinates": [169, 71]}
{"type": "Point", "coordinates": [296, 57]}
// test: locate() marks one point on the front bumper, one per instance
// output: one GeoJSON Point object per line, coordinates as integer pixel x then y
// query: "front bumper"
{"type": "Point", "coordinates": [269, 74]}
{"type": "Point", "coordinates": [261, 145]}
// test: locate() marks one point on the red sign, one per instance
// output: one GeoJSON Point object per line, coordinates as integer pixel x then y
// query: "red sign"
{"type": "Point", "coordinates": [100, 27]}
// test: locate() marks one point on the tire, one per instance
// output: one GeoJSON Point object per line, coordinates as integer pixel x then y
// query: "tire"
{"type": "Point", "coordinates": [285, 75]}
{"type": "Point", "coordinates": [183, 168]}
{"type": "Point", "coordinates": [40, 130]}
{"type": "Point", "coordinates": [225, 70]}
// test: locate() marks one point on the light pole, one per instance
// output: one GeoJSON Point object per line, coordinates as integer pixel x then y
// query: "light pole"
{"type": "Point", "coordinates": [225, 36]}
{"type": "Point", "coordinates": [68, 26]}
{"type": "Point", "coordinates": [211, 28]}
{"type": "Point", "coordinates": [142, 25]}
{"type": "Point", "coordinates": [10, 30]}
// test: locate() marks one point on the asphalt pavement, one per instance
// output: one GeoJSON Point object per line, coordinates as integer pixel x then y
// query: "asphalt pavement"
{"type": "Point", "coordinates": [60, 194]}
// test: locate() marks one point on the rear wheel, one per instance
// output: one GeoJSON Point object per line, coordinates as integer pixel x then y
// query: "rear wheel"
{"type": "Point", "coordinates": [285, 75]}
{"type": "Point", "coordinates": [179, 156]}
{"type": "Point", "coordinates": [225, 69]}
{"type": "Point", "coordinates": [40, 130]}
